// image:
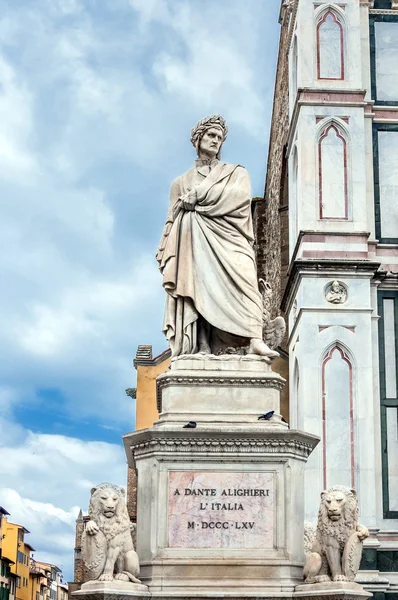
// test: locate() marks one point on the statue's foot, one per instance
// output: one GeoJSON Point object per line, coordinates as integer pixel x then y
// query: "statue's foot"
{"type": "Point", "coordinates": [106, 577]}
{"type": "Point", "coordinates": [204, 348]}
{"type": "Point", "coordinates": [259, 347]}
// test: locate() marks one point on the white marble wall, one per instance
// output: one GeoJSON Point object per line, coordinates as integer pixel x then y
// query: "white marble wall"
{"type": "Point", "coordinates": [305, 199]}
{"type": "Point", "coordinates": [319, 327]}
{"type": "Point", "coordinates": [309, 14]}
{"type": "Point", "coordinates": [316, 326]}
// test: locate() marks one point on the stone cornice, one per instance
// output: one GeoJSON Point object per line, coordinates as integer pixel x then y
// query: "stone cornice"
{"type": "Point", "coordinates": [111, 595]}
{"type": "Point", "coordinates": [244, 442]}
{"type": "Point", "coordinates": [383, 11]}
{"type": "Point", "coordinates": [328, 267]}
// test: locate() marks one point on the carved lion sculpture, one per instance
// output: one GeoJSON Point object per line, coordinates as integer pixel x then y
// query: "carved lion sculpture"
{"type": "Point", "coordinates": [337, 547]}
{"type": "Point", "coordinates": [107, 546]}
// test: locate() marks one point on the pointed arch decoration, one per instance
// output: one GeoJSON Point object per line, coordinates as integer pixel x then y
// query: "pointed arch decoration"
{"type": "Point", "coordinates": [333, 173]}
{"type": "Point", "coordinates": [330, 46]}
{"type": "Point", "coordinates": [338, 419]}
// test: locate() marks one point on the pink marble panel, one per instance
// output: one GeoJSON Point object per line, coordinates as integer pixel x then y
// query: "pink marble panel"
{"type": "Point", "coordinates": [221, 510]}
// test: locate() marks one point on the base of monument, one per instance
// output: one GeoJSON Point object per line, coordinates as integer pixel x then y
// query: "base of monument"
{"type": "Point", "coordinates": [213, 390]}
{"type": "Point", "coordinates": [220, 505]}
{"type": "Point", "coordinates": [111, 590]}
{"type": "Point", "coordinates": [220, 511]}
{"type": "Point", "coordinates": [331, 590]}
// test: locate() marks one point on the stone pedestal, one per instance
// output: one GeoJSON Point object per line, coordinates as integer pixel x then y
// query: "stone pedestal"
{"type": "Point", "coordinates": [216, 390]}
{"type": "Point", "coordinates": [111, 590]}
{"type": "Point", "coordinates": [220, 507]}
{"type": "Point", "coordinates": [333, 590]}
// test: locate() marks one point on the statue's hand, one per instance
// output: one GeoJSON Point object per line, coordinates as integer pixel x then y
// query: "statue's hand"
{"type": "Point", "coordinates": [92, 528]}
{"type": "Point", "coordinates": [189, 200]}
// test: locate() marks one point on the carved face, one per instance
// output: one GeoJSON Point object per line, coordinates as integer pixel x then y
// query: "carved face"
{"type": "Point", "coordinates": [335, 503]}
{"type": "Point", "coordinates": [210, 143]}
{"type": "Point", "coordinates": [108, 501]}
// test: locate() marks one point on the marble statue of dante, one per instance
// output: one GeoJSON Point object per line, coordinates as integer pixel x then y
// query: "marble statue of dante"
{"type": "Point", "coordinates": [206, 255]}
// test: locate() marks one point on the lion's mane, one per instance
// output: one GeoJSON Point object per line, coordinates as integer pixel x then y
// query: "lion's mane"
{"type": "Point", "coordinates": [346, 525]}
{"type": "Point", "coordinates": [111, 526]}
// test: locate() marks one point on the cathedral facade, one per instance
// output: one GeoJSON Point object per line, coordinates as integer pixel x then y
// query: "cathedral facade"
{"type": "Point", "coordinates": [329, 223]}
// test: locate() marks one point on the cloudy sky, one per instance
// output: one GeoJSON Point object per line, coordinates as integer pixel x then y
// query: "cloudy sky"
{"type": "Point", "coordinates": [97, 99]}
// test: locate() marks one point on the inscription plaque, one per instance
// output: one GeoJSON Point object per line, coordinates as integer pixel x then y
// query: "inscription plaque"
{"type": "Point", "coordinates": [221, 510]}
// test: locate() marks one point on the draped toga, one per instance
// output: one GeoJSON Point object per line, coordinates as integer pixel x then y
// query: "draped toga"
{"type": "Point", "coordinates": [207, 259]}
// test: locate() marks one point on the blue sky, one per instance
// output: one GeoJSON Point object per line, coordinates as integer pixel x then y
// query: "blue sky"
{"type": "Point", "coordinates": [97, 100]}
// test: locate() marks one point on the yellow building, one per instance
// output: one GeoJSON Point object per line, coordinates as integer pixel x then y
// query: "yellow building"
{"type": "Point", "coordinates": [18, 551]}
{"type": "Point", "coordinates": [38, 585]}
{"type": "Point", "coordinates": [148, 369]}
{"type": "Point", "coordinates": [7, 581]}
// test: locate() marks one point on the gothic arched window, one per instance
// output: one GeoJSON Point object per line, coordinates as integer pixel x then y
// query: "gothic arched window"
{"type": "Point", "coordinates": [338, 421]}
{"type": "Point", "coordinates": [333, 185]}
{"type": "Point", "coordinates": [330, 47]}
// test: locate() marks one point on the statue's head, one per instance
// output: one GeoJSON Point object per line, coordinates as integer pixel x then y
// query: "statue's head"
{"type": "Point", "coordinates": [208, 136]}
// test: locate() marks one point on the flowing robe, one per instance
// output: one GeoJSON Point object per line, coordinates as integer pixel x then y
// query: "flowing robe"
{"type": "Point", "coordinates": [207, 260]}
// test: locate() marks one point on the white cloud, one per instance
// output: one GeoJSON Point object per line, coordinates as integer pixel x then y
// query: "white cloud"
{"type": "Point", "coordinates": [16, 124]}
{"type": "Point", "coordinates": [212, 70]}
{"type": "Point", "coordinates": [95, 110]}
{"type": "Point", "coordinates": [62, 471]}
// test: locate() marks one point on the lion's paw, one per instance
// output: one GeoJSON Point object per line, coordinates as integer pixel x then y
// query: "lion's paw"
{"type": "Point", "coordinates": [122, 577]}
{"type": "Point", "coordinates": [105, 577]}
{"type": "Point", "coordinates": [322, 578]}
{"type": "Point", "coordinates": [340, 578]}
{"type": "Point", "coordinates": [92, 528]}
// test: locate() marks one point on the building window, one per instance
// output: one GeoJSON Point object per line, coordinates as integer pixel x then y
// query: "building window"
{"type": "Point", "coordinates": [385, 157]}
{"type": "Point", "coordinates": [384, 58]}
{"type": "Point", "coordinates": [332, 169]}
{"type": "Point", "coordinates": [388, 361]}
{"type": "Point", "coordinates": [20, 535]}
{"type": "Point", "coordinates": [330, 47]}
{"type": "Point", "coordinates": [337, 419]}
{"type": "Point", "coordinates": [18, 581]}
